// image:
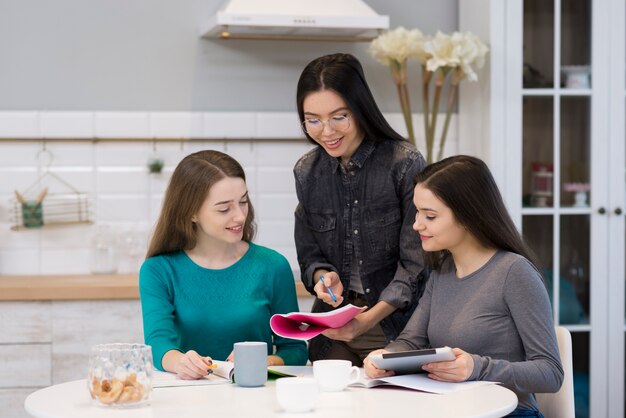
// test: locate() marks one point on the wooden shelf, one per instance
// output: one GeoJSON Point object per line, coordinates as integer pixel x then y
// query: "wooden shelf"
{"type": "Point", "coordinates": [78, 287]}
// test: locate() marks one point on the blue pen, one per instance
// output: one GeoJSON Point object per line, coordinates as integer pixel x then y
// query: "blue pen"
{"type": "Point", "coordinates": [332, 295]}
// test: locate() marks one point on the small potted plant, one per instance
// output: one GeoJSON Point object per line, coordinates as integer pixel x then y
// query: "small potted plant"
{"type": "Point", "coordinates": [155, 165]}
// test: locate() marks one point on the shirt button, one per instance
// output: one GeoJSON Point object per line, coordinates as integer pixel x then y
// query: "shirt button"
{"type": "Point", "coordinates": [356, 202]}
{"type": "Point", "coordinates": [356, 232]}
{"type": "Point", "coordinates": [360, 261]}
{"type": "Point", "coordinates": [352, 173]}
{"type": "Point", "coordinates": [367, 290]}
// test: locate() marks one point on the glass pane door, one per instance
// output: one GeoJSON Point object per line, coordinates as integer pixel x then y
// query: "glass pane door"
{"type": "Point", "coordinates": [556, 163]}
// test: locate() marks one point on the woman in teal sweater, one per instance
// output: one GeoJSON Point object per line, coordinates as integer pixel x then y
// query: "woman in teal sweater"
{"type": "Point", "coordinates": [204, 285]}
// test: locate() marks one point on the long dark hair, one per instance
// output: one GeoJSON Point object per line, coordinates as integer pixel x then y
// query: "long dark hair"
{"type": "Point", "coordinates": [466, 186]}
{"type": "Point", "coordinates": [188, 188]}
{"type": "Point", "coordinates": [343, 74]}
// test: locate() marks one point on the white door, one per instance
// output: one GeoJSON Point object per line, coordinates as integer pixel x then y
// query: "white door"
{"type": "Point", "coordinates": [556, 134]}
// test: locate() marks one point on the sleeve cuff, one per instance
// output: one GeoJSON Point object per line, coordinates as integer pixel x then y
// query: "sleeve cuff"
{"type": "Point", "coordinates": [478, 366]}
{"type": "Point", "coordinates": [308, 281]}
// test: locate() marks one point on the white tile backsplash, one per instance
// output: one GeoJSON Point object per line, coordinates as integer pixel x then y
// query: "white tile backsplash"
{"type": "Point", "coordinates": [229, 125]}
{"type": "Point", "coordinates": [15, 154]}
{"type": "Point", "coordinates": [17, 178]}
{"type": "Point", "coordinates": [19, 124]}
{"type": "Point", "coordinates": [274, 206]}
{"type": "Point", "coordinates": [275, 233]}
{"type": "Point", "coordinates": [277, 125]}
{"type": "Point", "coordinates": [122, 125]}
{"type": "Point", "coordinates": [275, 180]}
{"type": "Point", "coordinates": [67, 124]}
{"type": "Point", "coordinates": [122, 180]}
{"type": "Point", "coordinates": [123, 194]}
{"type": "Point", "coordinates": [111, 208]}
{"type": "Point", "coordinates": [65, 260]}
{"type": "Point", "coordinates": [176, 125]}
{"type": "Point", "coordinates": [20, 260]}
{"type": "Point", "coordinates": [125, 154]}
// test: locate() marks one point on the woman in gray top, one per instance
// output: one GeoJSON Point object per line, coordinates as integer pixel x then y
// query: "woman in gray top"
{"type": "Point", "coordinates": [486, 298]}
{"type": "Point", "coordinates": [355, 210]}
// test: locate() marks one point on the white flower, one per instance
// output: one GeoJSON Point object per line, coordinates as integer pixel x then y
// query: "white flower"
{"type": "Point", "coordinates": [470, 52]}
{"type": "Point", "coordinates": [459, 50]}
{"type": "Point", "coordinates": [457, 55]}
{"type": "Point", "coordinates": [398, 45]}
{"type": "Point", "coordinates": [441, 51]}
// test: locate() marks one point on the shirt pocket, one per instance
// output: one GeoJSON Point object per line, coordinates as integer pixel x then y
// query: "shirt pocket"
{"type": "Point", "coordinates": [383, 230]}
{"type": "Point", "coordinates": [323, 226]}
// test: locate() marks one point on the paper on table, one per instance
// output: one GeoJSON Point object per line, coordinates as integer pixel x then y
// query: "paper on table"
{"type": "Point", "coordinates": [222, 374]}
{"type": "Point", "coordinates": [304, 326]}
{"type": "Point", "coordinates": [420, 382]}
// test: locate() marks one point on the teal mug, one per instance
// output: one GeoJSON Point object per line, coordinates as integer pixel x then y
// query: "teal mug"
{"type": "Point", "coordinates": [32, 214]}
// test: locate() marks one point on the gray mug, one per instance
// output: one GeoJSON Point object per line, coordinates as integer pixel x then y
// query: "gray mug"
{"type": "Point", "coordinates": [250, 363]}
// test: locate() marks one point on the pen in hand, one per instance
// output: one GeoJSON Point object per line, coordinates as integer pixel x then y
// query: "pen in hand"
{"type": "Point", "coordinates": [332, 295]}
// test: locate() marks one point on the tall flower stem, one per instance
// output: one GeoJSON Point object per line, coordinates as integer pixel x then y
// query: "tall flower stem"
{"type": "Point", "coordinates": [454, 86]}
{"type": "Point", "coordinates": [439, 80]}
{"type": "Point", "coordinates": [426, 75]}
{"type": "Point", "coordinates": [399, 73]}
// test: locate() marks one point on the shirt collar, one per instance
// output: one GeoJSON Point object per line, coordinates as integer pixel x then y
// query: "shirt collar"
{"type": "Point", "coordinates": [359, 157]}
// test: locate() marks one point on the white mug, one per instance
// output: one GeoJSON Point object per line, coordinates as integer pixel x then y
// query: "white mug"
{"type": "Point", "coordinates": [335, 375]}
{"type": "Point", "coordinates": [297, 394]}
{"type": "Point", "coordinates": [250, 363]}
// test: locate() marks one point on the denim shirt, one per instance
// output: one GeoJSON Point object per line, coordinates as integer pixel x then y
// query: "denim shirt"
{"type": "Point", "coordinates": [366, 207]}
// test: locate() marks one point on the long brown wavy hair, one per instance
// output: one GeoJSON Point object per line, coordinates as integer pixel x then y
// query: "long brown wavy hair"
{"type": "Point", "coordinates": [465, 185]}
{"type": "Point", "coordinates": [188, 188]}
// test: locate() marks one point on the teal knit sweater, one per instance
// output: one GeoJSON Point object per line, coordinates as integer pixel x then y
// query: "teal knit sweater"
{"type": "Point", "coordinates": [188, 307]}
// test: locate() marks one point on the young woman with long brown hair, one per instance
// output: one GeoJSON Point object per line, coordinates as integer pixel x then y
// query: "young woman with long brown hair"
{"type": "Point", "coordinates": [485, 297]}
{"type": "Point", "coordinates": [205, 285]}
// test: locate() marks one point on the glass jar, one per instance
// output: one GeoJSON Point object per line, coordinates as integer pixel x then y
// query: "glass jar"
{"type": "Point", "coordinates": [120, 375]}
{"type": "Point", "coordinates": [104, 251]}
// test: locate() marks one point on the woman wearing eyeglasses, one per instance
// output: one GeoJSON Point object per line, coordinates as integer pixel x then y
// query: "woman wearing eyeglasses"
{"type": "Point", "coordinates": [354, 214]}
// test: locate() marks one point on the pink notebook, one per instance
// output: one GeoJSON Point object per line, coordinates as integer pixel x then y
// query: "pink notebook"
{"type": "Point", "coordinates": [304, 326]}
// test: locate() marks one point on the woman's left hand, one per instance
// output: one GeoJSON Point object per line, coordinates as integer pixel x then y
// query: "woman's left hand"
{"type": "Point", "coordinates": [457, 370]}
{"type": "Point", "coordinates": [357, 326]}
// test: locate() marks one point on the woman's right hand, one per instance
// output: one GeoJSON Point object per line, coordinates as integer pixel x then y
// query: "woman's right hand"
{"type": "Point", "coordinates": [373, 371]}
{"type": "Point", "coordinates": [331, 280]}
{"type": "Point", "coordinates": [191, 365]}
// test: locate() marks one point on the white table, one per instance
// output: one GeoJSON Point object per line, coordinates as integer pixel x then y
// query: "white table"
{"type": "Point", "coordinates": [72, 400]}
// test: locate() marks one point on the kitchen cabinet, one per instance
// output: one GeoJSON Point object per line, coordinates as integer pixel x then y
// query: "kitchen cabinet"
{"type": "Point", "coordinates": [47, 342]}
{"type": "Point", "coordinates": [553, 127]}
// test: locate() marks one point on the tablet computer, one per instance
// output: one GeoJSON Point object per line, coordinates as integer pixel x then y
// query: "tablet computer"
{"type": "Point", "coordinates": [406, 362]}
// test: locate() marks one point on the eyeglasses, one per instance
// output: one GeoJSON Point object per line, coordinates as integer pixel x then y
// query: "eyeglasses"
{"type": "Point", "coordinates": [315, 127]}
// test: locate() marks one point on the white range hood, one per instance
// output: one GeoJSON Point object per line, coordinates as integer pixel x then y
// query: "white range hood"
{"type": "Point", "coordinates": [329, 20]}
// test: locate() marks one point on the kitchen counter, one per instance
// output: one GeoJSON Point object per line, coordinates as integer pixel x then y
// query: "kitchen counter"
{"type": "Point", "coordinates": [78, 287]}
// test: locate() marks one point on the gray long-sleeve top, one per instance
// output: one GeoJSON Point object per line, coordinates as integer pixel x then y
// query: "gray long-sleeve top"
{"type": "Point", "coordinates": [501, 315]}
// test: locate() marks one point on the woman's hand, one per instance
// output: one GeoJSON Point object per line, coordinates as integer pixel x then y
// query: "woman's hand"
{"type": "Point", "coordinates": [457, 370]}
{"type": "Point", "coordinates": [191, 365]}
{"type": "Point", "coordinates": [331, 279]}
{"type": "Point", "coordinates": [355, 327]}
{"type": "Point", "coordinates": [371, 370]}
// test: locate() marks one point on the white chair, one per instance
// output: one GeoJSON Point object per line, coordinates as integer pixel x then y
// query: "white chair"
{"type": "Point", "coordinates": [561, 403]}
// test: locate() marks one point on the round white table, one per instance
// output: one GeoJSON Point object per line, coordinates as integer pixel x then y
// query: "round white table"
{"type": "Point", "coordinates": [72, 400]}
